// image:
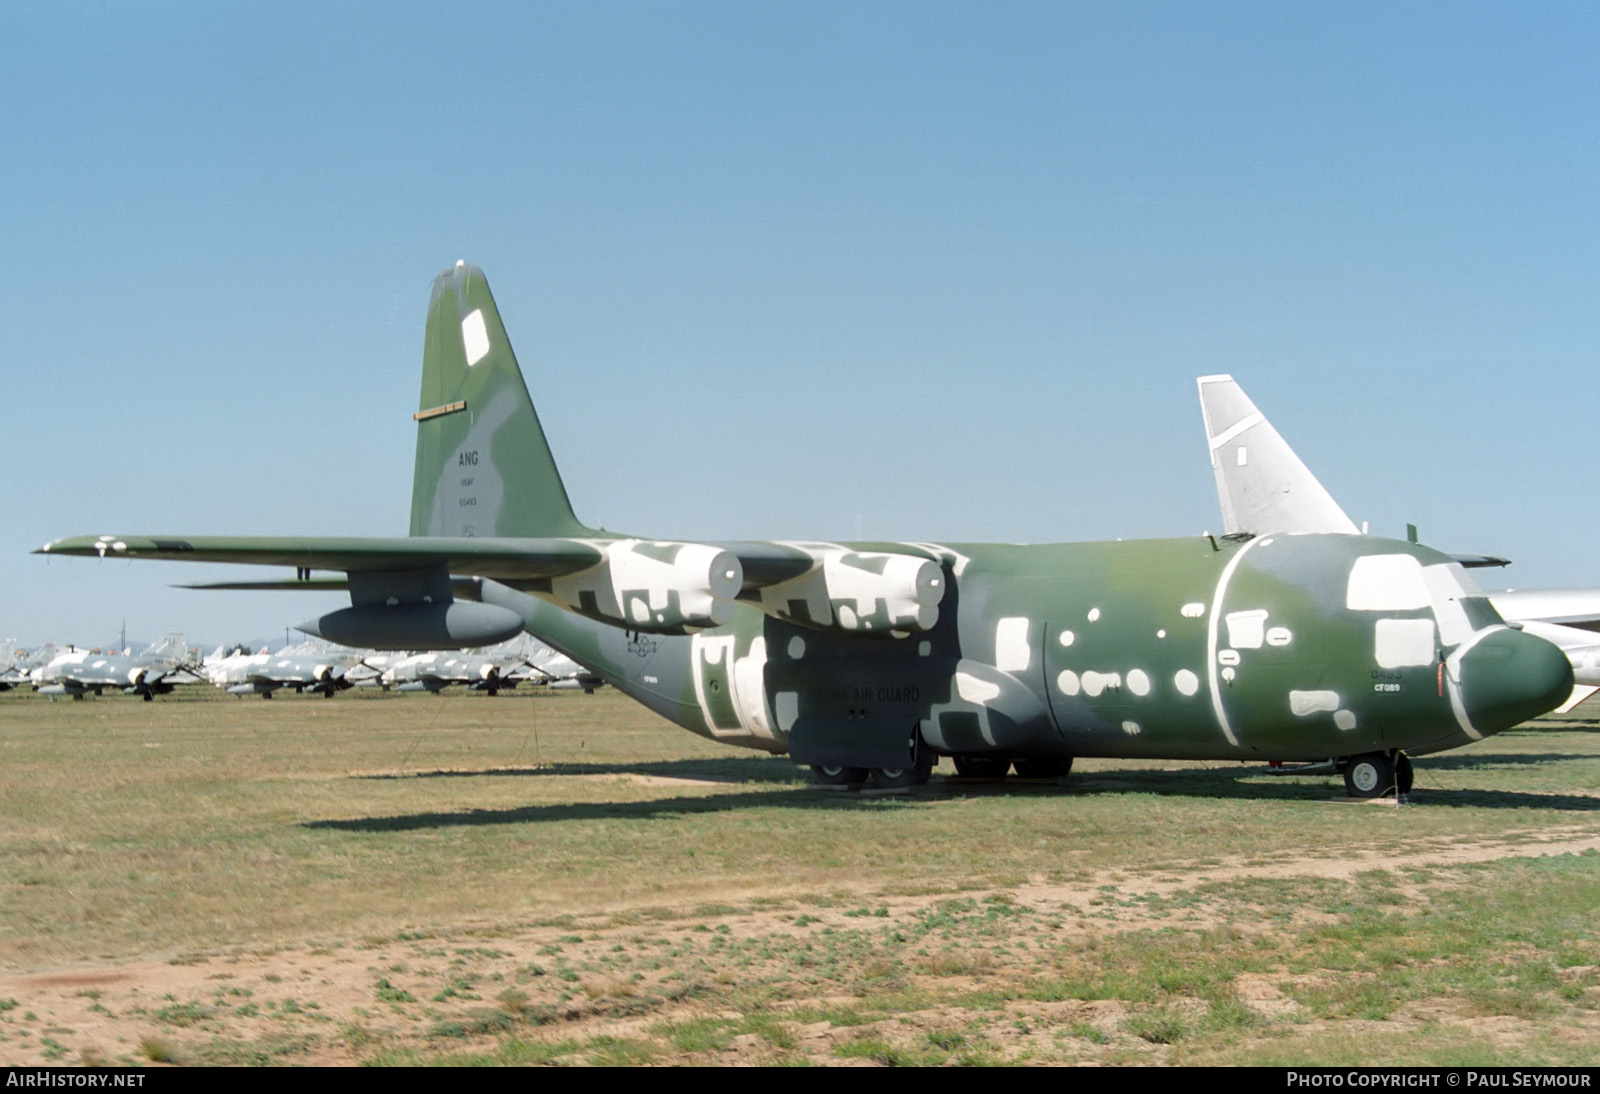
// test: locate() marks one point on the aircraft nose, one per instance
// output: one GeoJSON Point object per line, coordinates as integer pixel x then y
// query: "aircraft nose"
{"type": "Point", "coordinates": [1508, 677]}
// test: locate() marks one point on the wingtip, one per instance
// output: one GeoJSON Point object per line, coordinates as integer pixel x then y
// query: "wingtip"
{"type": "Point", "coordinates": [56, 546]}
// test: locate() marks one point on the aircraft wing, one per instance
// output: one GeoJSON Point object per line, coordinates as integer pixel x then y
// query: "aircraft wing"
{"type": "Point", "coordinates": [511, 560]}
{"type": "Point", "coordinates": [1577, 608]}
{"type": "Point", "coordinates": [496, 558]}
{"type": "Point", "coordinates": [403, 590]}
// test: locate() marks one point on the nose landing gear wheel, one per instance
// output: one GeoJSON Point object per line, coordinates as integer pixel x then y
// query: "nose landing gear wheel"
{"type": "Point", "coordinates": [1370, 775]}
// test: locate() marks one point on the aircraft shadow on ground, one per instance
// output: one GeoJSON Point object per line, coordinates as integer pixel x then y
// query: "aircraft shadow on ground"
{"type": "Point", "coordinates": [1480, 760]}
{"type": "Point", "coordinates": [734, 769]}
{"type": "Point", "coordinates": [642, 810]}
{"type": "Point", "coordinates": [1504, 799]}
{"type": "Point", "coordinates": [1247, 783]}
{"type": "Point", "coordinates": [1255, 783]}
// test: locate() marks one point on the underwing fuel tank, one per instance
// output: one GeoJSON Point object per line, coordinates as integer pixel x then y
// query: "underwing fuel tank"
{"type": "Point", "coordinates": [456, 625]}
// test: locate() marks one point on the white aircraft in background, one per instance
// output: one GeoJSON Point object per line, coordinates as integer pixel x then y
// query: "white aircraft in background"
{"type": "Point", "coordinates": [558, 671]}
{"type": "Point", "coordinates": [77, 672]}
{"type": "Point", "coordinates": [15, 664]}
{"type": "Point", "coordinates": [489, 669]}
{"type": "Point", "coordinates": [317, 667]}
{"type": "Point", "coordinates": [1264, 487]}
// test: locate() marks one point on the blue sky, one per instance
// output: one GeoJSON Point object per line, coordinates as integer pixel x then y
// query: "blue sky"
{"type": "Point", "coordinates": [902, 270]}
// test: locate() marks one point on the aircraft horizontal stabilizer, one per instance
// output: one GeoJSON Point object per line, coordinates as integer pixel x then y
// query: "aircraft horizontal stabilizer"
{"type": "Point", "coordinates": [306, 585]}
{"type": "Point", "coordinates": [463, 588]}
{"type": "Point", "coordinates": [1478, 562]}
{"type": "Point", "coordinates": [1579, 608]}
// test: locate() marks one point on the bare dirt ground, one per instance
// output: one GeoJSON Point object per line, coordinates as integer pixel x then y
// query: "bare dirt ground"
{"type": "Point", "coordinates": [579, 987]}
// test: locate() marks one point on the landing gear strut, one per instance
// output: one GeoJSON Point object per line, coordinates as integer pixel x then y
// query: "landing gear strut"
{"type": "Point", "coordinates": [982, 766]}
{"type": "Point", "coordinates": [1042, 767]}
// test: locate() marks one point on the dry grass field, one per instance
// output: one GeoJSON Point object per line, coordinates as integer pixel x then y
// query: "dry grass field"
{"type": "Point", "coordinates": [566, 879]}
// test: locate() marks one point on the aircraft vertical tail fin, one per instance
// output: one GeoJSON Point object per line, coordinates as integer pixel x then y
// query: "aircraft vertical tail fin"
{"type": "Point", "coordinates": [171, 645]}
{"type": "Point", "coordinates": [483, 466]}
{"type": "Point", "coordinates": [1261, 483]}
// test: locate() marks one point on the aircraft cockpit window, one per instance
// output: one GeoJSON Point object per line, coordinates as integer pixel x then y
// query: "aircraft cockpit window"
{"type": "Point", "coordinates": [1481, 612]}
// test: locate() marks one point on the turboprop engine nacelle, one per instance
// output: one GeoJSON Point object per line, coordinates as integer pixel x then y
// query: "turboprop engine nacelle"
{"type": "Point", "coordinates": [879, 592]}
{"type": "Point", "coordinates": [659, 587]}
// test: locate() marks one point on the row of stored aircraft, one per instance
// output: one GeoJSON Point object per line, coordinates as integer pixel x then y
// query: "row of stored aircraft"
{"type": "Point", "coordinates": [1314, 645]}
{"type": "Point", "coordinates": [322, 668]}
{"type": "Point", "coordinates": [79, 672]}
{"type": "Point", "coordinates": [315, 667]}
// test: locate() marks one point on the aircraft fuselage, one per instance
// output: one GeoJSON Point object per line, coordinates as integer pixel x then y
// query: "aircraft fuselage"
{"type": "Point", "coordinates": [1290, 648]}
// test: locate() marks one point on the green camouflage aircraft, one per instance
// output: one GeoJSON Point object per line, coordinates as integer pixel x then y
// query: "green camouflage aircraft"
{"type": "Point", "coordinates": [868, 660]}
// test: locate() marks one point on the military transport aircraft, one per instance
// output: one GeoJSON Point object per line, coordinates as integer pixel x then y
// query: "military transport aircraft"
{"type": "Point", "coordinates": [1264, 487]}
{"type": "Point", "coordinates": [867, 660]}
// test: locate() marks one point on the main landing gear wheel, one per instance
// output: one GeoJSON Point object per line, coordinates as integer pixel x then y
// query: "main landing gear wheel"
{"type": "Point", "coordinates": [1043, 767]}
{"type": "Point", "coordinates": [896, 778]}
{"type": "Point", "coordinates": [1370, 775]}
{"type": "Point", "coordinates": [835, 775]}
{"type": "Point", "coordinates": [982, 767]}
